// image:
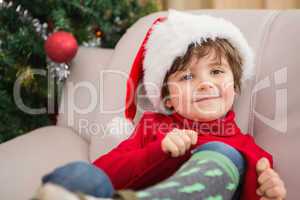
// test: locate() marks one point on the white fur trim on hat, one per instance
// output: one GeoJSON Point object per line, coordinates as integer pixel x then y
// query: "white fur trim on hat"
{"type": "Point", "coordinates": [170, 39]}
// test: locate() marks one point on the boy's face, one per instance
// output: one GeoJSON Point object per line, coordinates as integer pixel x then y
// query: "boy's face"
{"type": "Point", "coordinates": [204, 91]}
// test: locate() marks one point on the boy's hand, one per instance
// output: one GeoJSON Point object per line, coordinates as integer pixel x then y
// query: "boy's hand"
{"type": "Point", "coordinates": [178, 141]}
{"type": "Point", "coordinates": [271, 186]}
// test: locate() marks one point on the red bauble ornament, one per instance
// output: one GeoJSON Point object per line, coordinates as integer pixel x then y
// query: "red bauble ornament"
{"type": "Point", "coordinates": [61, 47]}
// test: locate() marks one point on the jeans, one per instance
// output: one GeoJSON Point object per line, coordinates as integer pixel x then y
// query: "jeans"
{"type": "Point", "coordinates": [234, 155]}
{"type": "Point", "coordinates": [82, 177]}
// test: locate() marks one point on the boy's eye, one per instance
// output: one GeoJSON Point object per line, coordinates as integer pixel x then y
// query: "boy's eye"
{"type": "Point", "coordinates": [187, 77]}
{"type": "Point", "coordinates": [216, 72]}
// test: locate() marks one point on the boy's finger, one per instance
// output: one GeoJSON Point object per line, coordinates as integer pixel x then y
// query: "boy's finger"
{"type": "Point", "coordinates": [258, 192]}
{"type": "Point", "coordinates": [175, 129]}
{"type": "Point", "coordinates": [275, 192]}
{"type": "Point", "coordinates": [262, 165]}
{"type": "Point", "coordinates": [271, 182]}
{"type": "Point", "coordinates": [176, 139]}
{"type": "Point", "coordinates": [193, 135]}
{"type": "Point", "coordinates": [266, 198]}
{"type": "Point", "coordinates": [172, 148]}
{"type": "Point", "coordinates": [264, 176]}
{"type": "Point", "coordinates": [187, 140]}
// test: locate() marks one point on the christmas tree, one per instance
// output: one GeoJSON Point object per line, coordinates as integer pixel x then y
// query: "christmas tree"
{"type": "Point", "coordinates": [24, 27]}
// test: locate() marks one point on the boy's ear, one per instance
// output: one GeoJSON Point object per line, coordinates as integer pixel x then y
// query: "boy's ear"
{"type": "Point", "coordinates": [236, 93]}
{"type": "Point", "coordinates": [168, 103]}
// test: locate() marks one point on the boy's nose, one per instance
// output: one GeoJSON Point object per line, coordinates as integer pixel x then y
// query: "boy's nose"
{"type": "Point", "coordinates": [205, 86]}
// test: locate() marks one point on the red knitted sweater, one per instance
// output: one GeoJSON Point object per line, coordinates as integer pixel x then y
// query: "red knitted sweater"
{"type": "Point", "coordinates": [139, 161]}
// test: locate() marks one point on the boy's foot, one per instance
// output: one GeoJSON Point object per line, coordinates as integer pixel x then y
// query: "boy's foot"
{"type": "Point", "coordinates": [54, 192]}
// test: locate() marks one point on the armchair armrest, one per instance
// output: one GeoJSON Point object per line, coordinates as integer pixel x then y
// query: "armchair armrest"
{"type": "Point", "coordinates": [85, 78]}
{"type": "Point", "coordinates": [100, 56]}
{"type": "Point", "coordinates": [25, 159]}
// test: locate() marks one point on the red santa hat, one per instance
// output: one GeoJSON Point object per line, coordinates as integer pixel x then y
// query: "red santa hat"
{"type": "Point", "coordinates": [168, 38]}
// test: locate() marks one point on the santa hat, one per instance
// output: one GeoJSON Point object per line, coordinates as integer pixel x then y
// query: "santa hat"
{"type": "Point", "coordinates": [168, 38]}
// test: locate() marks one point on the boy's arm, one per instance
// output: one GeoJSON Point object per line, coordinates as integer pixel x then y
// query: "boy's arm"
{"type": "Point", "coordinates": [130, 159]}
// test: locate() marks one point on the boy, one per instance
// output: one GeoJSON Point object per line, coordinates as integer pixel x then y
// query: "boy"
{"type": "Point", "coordinates": [191, 148]}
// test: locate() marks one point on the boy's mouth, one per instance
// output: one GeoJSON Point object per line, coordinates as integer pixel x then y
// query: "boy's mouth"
{"type": "Point", "coordinates": [205, 97]}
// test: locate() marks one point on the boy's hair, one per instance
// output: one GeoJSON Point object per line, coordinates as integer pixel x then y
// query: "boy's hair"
{"type": "Point", "coordinates": [222, 48]}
